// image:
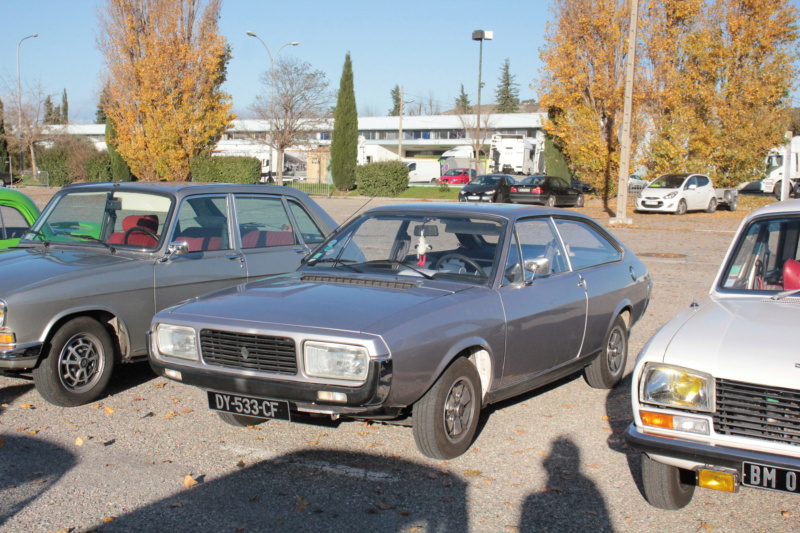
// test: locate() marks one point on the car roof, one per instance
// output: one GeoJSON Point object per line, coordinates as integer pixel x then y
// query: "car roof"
{"type": "Point", "coordinates": [786, 207]}
{"type": "Point", "coordinates": [508, 211]}
{"type": "Point", "coordinates": [178, 187]}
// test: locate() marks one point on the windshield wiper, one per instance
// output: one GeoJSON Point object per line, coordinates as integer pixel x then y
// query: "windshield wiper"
{"type": "Point", "coordinates": [399, 263]}
{"type": "Point", "coordinates": [784, 294]}
{"type": "Point", "coordinates": [337, 263]}
{"type": "Point", "coordinates": [36, 233]}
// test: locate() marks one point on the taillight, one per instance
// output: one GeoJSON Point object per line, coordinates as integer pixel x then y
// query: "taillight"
{"type": "Point", "coordinates": [536, 190]}
{"type": "Point", "coordinates": [514, 189]}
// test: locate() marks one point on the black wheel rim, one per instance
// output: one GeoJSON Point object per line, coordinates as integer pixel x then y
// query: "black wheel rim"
{"type": "Point", "coordinates": [81, 362]}
{"type": "Point", "coordinates": [459, 410]}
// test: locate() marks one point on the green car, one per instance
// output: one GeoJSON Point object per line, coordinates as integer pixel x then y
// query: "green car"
{"type": "Point", "coordinates": [17, 214]}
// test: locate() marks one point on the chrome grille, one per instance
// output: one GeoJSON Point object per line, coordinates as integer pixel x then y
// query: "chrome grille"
{"type": "Point", "coordinates": [260, 353]}
{"type": "Point", "coordinates": [755, 411]}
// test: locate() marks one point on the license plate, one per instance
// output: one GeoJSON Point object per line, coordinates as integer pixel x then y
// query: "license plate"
{"type": "Point", "coordinates": [473, 197]}
{"type": "Point", "coordinates": [650, 203]}
{"type": "Point", "coordinates": [770, 477]}
{"type": "Point", "coordinates": [248, 406]}
{"type": "Point", "coordinates": [523, 189]}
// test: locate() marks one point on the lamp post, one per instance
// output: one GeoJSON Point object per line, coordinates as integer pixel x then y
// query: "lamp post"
{"type": "Point", "coordinates": [272, 82]}
{"type": "Point", "coordinates": [400, 133]}
{"type": "Point", "coordinates": [19, 103]}
{"type": "Point", "coordinates": [480, 35]}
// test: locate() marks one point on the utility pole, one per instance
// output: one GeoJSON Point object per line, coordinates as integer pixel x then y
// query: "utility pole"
{"type": "Point", "coordinates": [400, 133]}
{"type": "Point", "coordinates": [480, 35]}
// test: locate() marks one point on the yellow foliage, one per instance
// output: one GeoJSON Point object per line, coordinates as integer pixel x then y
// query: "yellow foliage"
{"type": "Point", "coordinates": [166, 63]}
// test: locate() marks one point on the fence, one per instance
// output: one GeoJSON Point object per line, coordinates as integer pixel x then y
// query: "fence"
{"type": "Point", "coordinates": [311, 188]}
{"type": "Point", "coordinates": [41, 179]}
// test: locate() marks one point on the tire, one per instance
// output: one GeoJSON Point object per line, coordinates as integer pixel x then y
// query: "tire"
{"type": "Point", "coordinates": [733, 205]}
{"type": "Point", "coordinates": [239, 421]}
{"type": "Point", "coordinates": [446, 417]}
{"type": "Point", "coordinates": [712, 205]}
{"type": "Point", "coordinates": [434, 181]}
{"type": "Point", "coordinates": [551, 201]}
{"type": "Point", "coordinates": [776, 190]}
{"type": "Point", "coordinates": [579, 201]}
{"type": "Point", "coordinates": [608, 368]}
{"type": "Point", "coordinates": [78, 364]}
{"type": "Point", "coordinates": [666, 487]}
{"type": "Point", "coordinates": [681, 210]}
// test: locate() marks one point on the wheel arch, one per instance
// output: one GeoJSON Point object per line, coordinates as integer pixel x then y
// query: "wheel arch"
{"type": "Point", "coordinates": [479, 354]}
{"type": "Point", "coordinates": [111, 322]}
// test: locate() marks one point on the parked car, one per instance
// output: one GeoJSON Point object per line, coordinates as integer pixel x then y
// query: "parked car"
{"type": "Point", "coordinates": [487, 188]}
{"type": "Point", "coordinates": [585, 188]}
{"type": "Point", "coordinates": [678, 193]}
{"type": "Point", "coordinates": [546, 190]}
{"type": "Point", "coordinates": [716, 396]}
{"type": "Point", "coordinates": [636, 183]}
{"type": "Point", "coordinates": [421, 313]}
{"type": "Point", "coordinates": [457, 176]}
{"type": "Point", "coordinates": [77, 295]}
{"type": "Point", "coordinates": [17, 213]}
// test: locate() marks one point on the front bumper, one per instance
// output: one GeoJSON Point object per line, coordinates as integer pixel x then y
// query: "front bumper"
{"type": "Point", "coordinates": [658, 205]}
{"type": "Point", "coordinates": [21, 358]}
{"type": "Point", "coordinates": [536, 199]}
{"type": "Point", "coordinates": [704, 454]}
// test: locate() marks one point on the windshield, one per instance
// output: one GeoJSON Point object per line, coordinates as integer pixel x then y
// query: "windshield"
{"type": "Point", "coordinates": [117, 218]}
{"type": "Point", "coordinates": [455, 247]}
{"type": "Point", "coordinates": [668, 181]}
{"type": "Point", "coordinates": [454, 172]}
{"type": "Point", "coordinates": [485, 180]}
{"type": "Point", "coordinates": [766, 257]}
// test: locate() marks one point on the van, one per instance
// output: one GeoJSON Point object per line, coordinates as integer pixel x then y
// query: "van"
{"type": "Point", "coordinates": [423, 171]}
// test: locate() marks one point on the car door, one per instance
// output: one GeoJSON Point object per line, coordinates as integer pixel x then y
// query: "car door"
{"type": "Point", "coordinates": [691, 193]}
{"type": "Point", "coordinates": [545, 312]}
{"type": "Point", "coordinates": [214, 260]}
{"type": "Point", "coordinates": [705, 191]}
{"type": "Point", "coordinates": [274, 233]}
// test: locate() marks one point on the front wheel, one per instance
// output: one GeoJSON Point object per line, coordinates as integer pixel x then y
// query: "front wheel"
{"type": "Point", "coordinates": [239, 421]}
{"type": "Point", "coordinates": [712, 205]}
{"type": "Point", "coordinates": [446, 417]}
{"type": "Point", "coordinates": [666, 487]}
{"type": "Point", "coordinates": [78, 365]}
{"type": "Point", "coordinates": [776, 190]}
{"type": "Point", "coordinates": [681, 210]}
{"type": "Point", "coordinates": [607, 368]}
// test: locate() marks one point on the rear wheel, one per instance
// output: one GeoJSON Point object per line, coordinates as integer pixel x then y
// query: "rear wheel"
{"type": "Point", "coordinates": [733, 204]}
{"type": "Point", "coordinates": [579, 201]}
{"type": "Point", "coordinates": [666, 487]}
{"type": "Point", "coordinates": [607, 368]}
{"type": "Point", "coordinates": [239, 421]}
{"type": "Point", "coordinates": [78, 365]}
{"type": "Point", "coordinates": [551, 201]}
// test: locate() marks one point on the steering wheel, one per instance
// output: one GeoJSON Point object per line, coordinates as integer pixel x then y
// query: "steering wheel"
{"type": "Point", "coordinates": [139, 229]}
{"type": "Point", "coordinates": [462, 258]}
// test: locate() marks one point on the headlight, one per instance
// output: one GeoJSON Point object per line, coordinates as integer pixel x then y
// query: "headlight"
{"type": "Point", "coordinates": [2, 313]}
{"type": "Point", "coordinates": [671, 195]}
{"type": "Point", "coordinates": [177, 341]}
{"type": "Point", "coordinates": [677, 387]}
{"type": "Point", "coordinates": [489, 192]}
{"type": "Point", "coordinates": [336, 361]}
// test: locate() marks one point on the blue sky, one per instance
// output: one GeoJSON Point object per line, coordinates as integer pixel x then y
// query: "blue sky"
{"type": "Point", "coordinates": [425, 46]}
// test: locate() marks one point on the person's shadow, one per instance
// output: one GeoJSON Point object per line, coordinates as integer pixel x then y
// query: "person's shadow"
{"type": "Point", "coordinates": [571, 501]}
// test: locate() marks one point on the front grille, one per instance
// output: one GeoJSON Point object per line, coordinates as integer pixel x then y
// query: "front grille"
{"type": "Point", "coordinates": [755, 411]}
{"type": "Point", "coordinates": [365, 282]}
{"type": "Point", "coordinates": [260, 353]}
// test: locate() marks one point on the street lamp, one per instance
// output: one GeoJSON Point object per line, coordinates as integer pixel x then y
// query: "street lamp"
{"type": "Point", "coordinates": [480, 35]}
{"type": "Point", "coordinates": [19, 103]}
{"type": "Point", "coordinates": [271, 77]}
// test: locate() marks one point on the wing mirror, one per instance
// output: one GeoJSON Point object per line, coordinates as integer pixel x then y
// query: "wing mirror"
{"type": "Point", "coordinates": [537, 267]}
{"type": "Point", "coordinates": [175, 248]}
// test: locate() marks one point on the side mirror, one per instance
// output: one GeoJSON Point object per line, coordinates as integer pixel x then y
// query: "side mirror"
{"type": "Point", "coordinates": [539, 266]}
{"type": "Point", "coordinates": [692, 187]}
{"type": "Point", "coordinates": [178, 248]}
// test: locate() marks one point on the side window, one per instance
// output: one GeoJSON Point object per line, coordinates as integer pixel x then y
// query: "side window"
{"type": "Point", "coordinates": [203, 224]}
{"type": "Point", "coordinates": [13, 223]}
{"type": "Point", "coordinates": [308, 228]}
{"type": "Point", "coordinates": [263, 222]}
{"type": "Point", "coordinates": [692, 181]}
{"type": "Point", "coordinates": [586, 246]}
{"type": "Point", "coordinates": [702, 181]}
{"type": "Point", "coordinates": [537, 242]}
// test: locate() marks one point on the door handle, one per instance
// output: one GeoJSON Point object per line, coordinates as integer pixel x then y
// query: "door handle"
{"type": "Point", "coordinates": [240, 257]}
{"type": "Point", "coordinates": [301, 251]}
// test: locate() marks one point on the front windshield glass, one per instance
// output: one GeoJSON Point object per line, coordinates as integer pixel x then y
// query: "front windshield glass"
{"type": "Point", "coordinates": [115, 218]}
{"type": "Point", "coordinates": [668, 181]}
{"type": "Point", "coordinates": [766, 257]}
{"type": "Point", "coordinates": [455, 247]}
{"type": "Point", "coordinates": [485, 180]}
{"type": "Point", "coordinates": [454, 172]}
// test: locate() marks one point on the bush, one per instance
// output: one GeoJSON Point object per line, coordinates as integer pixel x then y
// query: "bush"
{"type": "Point", "coordinates": [56, 162]}
{"type": "Point", "coordinates": [98, 167]}
{"type": "Point", "coordinates": [226, 169]}
{"type": "Point", "coordinates": [384, 178]}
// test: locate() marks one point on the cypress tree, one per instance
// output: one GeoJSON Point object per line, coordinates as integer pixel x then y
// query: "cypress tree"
{"type": "Point", "coordinates": [344, 143]}
{"type": "Point", "coordinates": [395, 110]}
{"type": "Point", "coordinates": [3, 141]}
{"type": "Point", "coordinates": [507, 93]}
{"type": "Point", "coordinates": [463, 107]}
{"type": "Point", "coordinates": [64, 108]}
{"type": "Point", "coordinates": [119, 168]}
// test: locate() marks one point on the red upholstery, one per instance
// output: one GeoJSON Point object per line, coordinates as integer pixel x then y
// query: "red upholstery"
{"type": "Point", "coordinates": [200, 239]}
{"type": "Point", "coordinates": [791, 275]}
{"type": "Point", "coordinates": [261, 239]}
{"type": "Point", "coordinates": [137, 237]}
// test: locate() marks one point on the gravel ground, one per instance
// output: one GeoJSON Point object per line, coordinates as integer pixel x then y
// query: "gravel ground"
{"type": "Point", "coordinates": [151, 457]}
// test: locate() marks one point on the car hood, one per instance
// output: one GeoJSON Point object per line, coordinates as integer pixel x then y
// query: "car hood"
{"type": "Point", "coordinates": [657, 192]}
{"type": "Point", "coordinates": [479, 188]}
{"type": "Point", "coordinates": [22, 268]}
{"type": "Point", "coordinates": [742, 339]}
{"type": "Point", "coordinates": [331, 303]}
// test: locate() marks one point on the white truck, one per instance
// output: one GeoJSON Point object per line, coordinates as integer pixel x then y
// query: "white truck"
{"type": "Point", "coordinates": [776, 167]}
{"type": "Point", "coordinates": [513, 154]}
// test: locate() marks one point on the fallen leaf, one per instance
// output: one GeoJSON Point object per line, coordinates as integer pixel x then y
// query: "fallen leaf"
{"type": "Point", "coordinates": [33, 432]}
{"type": "Point", "coordinates": [605, 417]}
{"type": "Point", "coordinates": [98, 405]}
{"type": "Point", "coordinates": [362, 433]}
{"type": "Point", "coordinates": [176, 505]}
{"type": "Point", "coordinates": [175, 400]}
{"type": "Point", "coordinates": [591, 466]}
{"type": "Point", "coordinates": [404, 512]}
{"type": "Point", "coordinates": [301, 504]}
{"type": "Point", "coordinates": [110, 411]}
{"type": "Point", "coordinates": [565, 406]}
{"type": "Point", "coordinates": [255, 498]}
{"type": "Point", "coordinates": [705, 525]}
{"type": "Point", "coordinates": [160, 385]}
{"type": "Point", "coordinates": [786, 514]}
{"type": "Point", "coordinates": [138, 400]}
{"type": "Point", "coordinates": [189, 481]}
{"type": "Point", "coordinates": [79, 442]}
{"type": "Point", "coordinates": [384, 506]}
{"type": "Point", "coordinates": [22, 429]}
{"type": "Point", "coordinates": [240, 464]}
{"type": "Point", "coordinates": [185, 411]}
{"type": "Point", "coordinates": [108, 519]}
{"type": "Point", "coordinates": [314, 442]}
{"type": "Point", "coordinates": [2, 442]}
{"type": "Point", "coordinates": [171, 414]}
{"type": "Point", "coordinates": [26, 406]}
{"type": "Point", "coordinates": [39, 482]}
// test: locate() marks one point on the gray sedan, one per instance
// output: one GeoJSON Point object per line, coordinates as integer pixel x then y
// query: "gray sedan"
{"type": "Point", "coordinates": [77, 295]}
{"type": "Point", "coordinates": [422, 314]}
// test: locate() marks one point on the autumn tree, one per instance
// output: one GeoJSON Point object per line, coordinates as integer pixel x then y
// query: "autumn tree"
{"type": "Point", "coordinates": [299, 105]}
{"type": "Point", "coordinates": [395, 110]}
{"type": "Point", "coordinates": [344, 143]}
{"type": "Point", "coordinates": [462, 105]}
{"type": "Point", "coordinates": [583, 86]}
{"type": "Point", "coordinates": [507, 93]}
{"type": "Point", "coordinates": [165, 66]}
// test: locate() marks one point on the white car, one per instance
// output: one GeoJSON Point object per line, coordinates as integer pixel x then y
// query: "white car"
{"type": "Point", "coordinates": [678, 193]}
{"type": "Point", "coordinates": [716, 391]}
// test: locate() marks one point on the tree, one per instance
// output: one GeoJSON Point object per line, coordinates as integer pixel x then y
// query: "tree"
{"type": "Point", "coordinates": [3, 141]}
{"type": "Point", "coordinates": [462, 105]}
{"type": "Point", "coordinates": [166, 63]}
{"type": "Point", "coordinates": [507, 93]}
{"type": "Point", "coordinates": [120, 171]}
{"type": "Point", "coordinates": [64, 108]}
{"type": "Point", "coordinates": [395, 110]}
{"type": "Point", "coordinates": [477, 136]}
{"type": "Point", "coordinates": [344, 143]}
{"type": "Point", "coordinates": [584, 58]}
{"type": "Point", "coordinates": [100, 112]}
{"type": "Point", "coordinates": [50, 115]}
{"type": "Point", "coordinates": [300, 105]}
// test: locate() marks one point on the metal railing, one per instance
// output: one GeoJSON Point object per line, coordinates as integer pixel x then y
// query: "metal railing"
{"type": "Point", "coordinates": [41, 179]}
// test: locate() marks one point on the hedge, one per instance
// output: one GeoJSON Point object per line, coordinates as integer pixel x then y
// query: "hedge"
{"type": "Point", "coordinates": [226, 169]}
{"type": "Point", "coordinates": [384, 178]}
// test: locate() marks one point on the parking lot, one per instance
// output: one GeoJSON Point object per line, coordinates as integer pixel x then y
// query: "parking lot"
{"type": "Point", "coordinates": [152, 457]}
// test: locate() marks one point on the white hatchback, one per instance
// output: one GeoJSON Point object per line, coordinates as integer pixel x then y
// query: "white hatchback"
{"type": "Point", "coordinates": [678, 193]}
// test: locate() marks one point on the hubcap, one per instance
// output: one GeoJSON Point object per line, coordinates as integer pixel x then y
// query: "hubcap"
{"type": "Point", "coordinates": [615, 350]}
{"type": "Point", "coordinates": [458, 409]}
{"type": "Point", "coordinates": [81, 363]}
